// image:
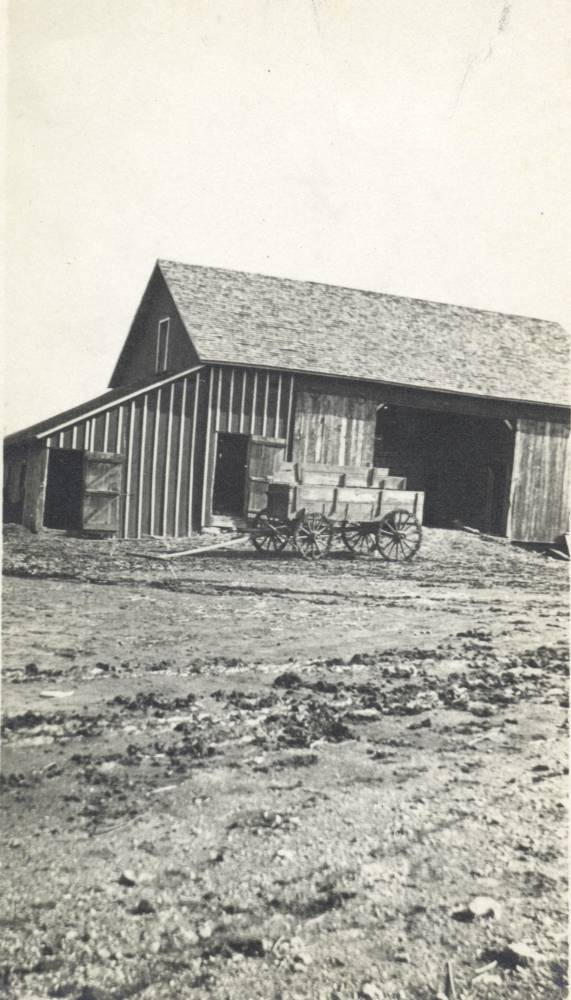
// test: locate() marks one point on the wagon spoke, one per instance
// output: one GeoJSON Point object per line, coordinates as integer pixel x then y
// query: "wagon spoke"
{"type": "Point", "coordinates": [399, 536]}
{"type": "Point", "coordinates": [270, 533]}
{"type": "Point", "coordinates": [359, 538]}
{"type": "Point", "coordinates": [313, 536]}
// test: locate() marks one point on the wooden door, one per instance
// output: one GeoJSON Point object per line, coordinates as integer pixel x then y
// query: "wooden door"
{"type": "Point", "coordinates": [102, 478]}
{"type": "Point", "coordinates": [539, 501]}
{"type": "Point", "coordinates": [265, 455]}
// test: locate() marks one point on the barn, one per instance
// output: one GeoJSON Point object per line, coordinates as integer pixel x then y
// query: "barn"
{"type": "Point", "coordinates": [224, 375]}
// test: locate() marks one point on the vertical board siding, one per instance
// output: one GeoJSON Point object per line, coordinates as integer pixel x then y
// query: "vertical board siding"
{"type": "Point", "coordinates": [244, 381]}
{"type": "Point", "coordinates": [158, 434]}
{"type": "Point", "coordinates": [155, 461]}
{"type": "Point", "coordinates": [145, 473]}
{"type": "Point", "coordinates": [539, 501]}
{"type": "Point", "coordinates": [119, 429]}
{"type": "Point", "coordinates": [106, 432]}
{"type": "Point", "coordinates": [178, 469]}
{"type": "Point", "coordinates": [243, 401]}
{"type": "Point", "coordinates": [231, 414]}
{"type": "Point", "coordinates": [252, 402]}
{"type": "Point", "coordinates": [127, 504]}
{"type": "Point", "coordinates": [163, 460]}
{"type": "Point", "coordinates": [333, 429]}
{"type": "Point", "coordinates": [223, 400]}
{"type": "Point", "coordinates": [206, 485]}
{"type": "Point", "coordinates": [167, 439]}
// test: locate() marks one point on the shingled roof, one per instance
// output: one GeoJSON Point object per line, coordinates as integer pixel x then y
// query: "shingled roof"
{"type": "Point", "coordinates": [257, 320]}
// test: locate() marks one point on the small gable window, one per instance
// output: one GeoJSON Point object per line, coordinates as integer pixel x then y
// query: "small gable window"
{"type": "Point", "coordinates": [162, 345]}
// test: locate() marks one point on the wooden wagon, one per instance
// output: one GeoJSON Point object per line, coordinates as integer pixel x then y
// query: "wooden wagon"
{"type": "Point", "coordinates": [308, 505]}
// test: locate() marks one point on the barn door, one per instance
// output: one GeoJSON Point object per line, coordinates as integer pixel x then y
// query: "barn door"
{"type": "Point", "coordinates": [102, 477]}
{"type": "Point", "coordinates": [264, 458]}
{"type": "Point", "coordinates": [539, 502]}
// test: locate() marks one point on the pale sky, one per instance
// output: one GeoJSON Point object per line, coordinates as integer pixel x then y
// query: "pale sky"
{"type": "Point", "coordinates": [419, 147]}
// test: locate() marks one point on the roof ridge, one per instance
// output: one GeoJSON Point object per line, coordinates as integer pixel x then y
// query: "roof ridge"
{"type": "Point", "coordinates": [362, 291]}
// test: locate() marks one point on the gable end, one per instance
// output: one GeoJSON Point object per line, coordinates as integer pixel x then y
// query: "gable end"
{"type": "Point", "coordinates": [146, 351]}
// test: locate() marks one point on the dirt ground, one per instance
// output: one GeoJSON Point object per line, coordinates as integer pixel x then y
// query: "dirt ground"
{"type": "Point", "coordinates": [236, 777]}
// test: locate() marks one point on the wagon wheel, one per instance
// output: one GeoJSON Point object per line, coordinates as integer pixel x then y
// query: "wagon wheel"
{"type": "Point", "coordinates": [360, 537]}
{"type": "Point", "coordinates": [273, 535]}
{"type": "Point", "coordinates": [399, 536]}
{"type": "Point", "coordinates": [312, 537]}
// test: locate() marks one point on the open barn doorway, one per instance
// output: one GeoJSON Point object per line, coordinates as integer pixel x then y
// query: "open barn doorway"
{"type": "Point", "coordinates": [462, 463]}
{"type": "Point", "coordinates": [64, 489]}
{"type": "Point", "coordinates": [230, 475]}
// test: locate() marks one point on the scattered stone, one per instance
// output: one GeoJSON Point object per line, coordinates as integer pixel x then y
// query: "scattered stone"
{"type": "Point", "coordinates": [32, 669]}
{"type": "Point", "coordinates": [484, 906]}
{"type": "Point", "coordinates": [520, 954]}
{"type": "Point", "coordinates": [424, 724]}
{"type": "Point", "coordinates": [127, 878]}
{"type": "Point", "coordinates": [481, 709]}
{"type": "Point", "coordinates": [251, 947]}
{"type": "Point", "coordinates": [189, 936]}
{"type": "Point", "coordinates": [289, 679]}
{"type": "Point", "coordinates": [369, 991]}
{"type": "Point", "coordinates": [107, 766]}
{"type": "Point", "coordinates": [91, 993]}
{"type": "Point", "coordinates": [206, 930]}
{"type": "Point", "coordinates": [488, 979]}
{"type": "Point", "coordinates": [143, 907]}
{"type": "Point", "coordinates": [284, 855]}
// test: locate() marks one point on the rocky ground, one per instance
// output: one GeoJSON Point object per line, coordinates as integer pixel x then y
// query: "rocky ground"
{"type": "Point", "coordinates": [232, 777]}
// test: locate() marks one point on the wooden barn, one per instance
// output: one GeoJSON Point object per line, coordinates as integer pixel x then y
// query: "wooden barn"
{"type": "Point", "coordinates": [224, 375]}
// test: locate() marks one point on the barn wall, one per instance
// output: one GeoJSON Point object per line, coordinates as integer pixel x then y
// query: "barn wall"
{"type": "Point", "coordinates": [244, 401]}
{"type": "Point", "coordinates": [334, 423]}
{"type": "Point", "coordinates": [137, 361]}
{"type": "Point", "coordinates": [160, 435]}
{"type": "Point", "coordinates": [539, 502]}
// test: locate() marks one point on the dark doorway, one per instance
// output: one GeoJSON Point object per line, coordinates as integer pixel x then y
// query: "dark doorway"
{"type": "Point", "coordinates": [462, 463]}
{"type": "Point", "coordinates": [64, 489]}
{"type": "Point", "coordinates": [14, 491]}
{"type": "Point", "coordinates": [230, 475]}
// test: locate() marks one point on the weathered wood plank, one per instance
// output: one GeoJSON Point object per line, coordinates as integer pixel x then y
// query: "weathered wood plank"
{"type": "Point", "coordinates": [331, 429]}
{"type": "Point", "coordinates": [265, 457]}
{"type": "Point", "coordinates": [208, 460]}
{"type": "Point", "coordinates": [178, 471]}
{"type": "Point", "coordinates": [35, 486]}
{"type": "Point", "coordinates": [128, 481]}
{"type": "Point", "coordinates": [539, 498]}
